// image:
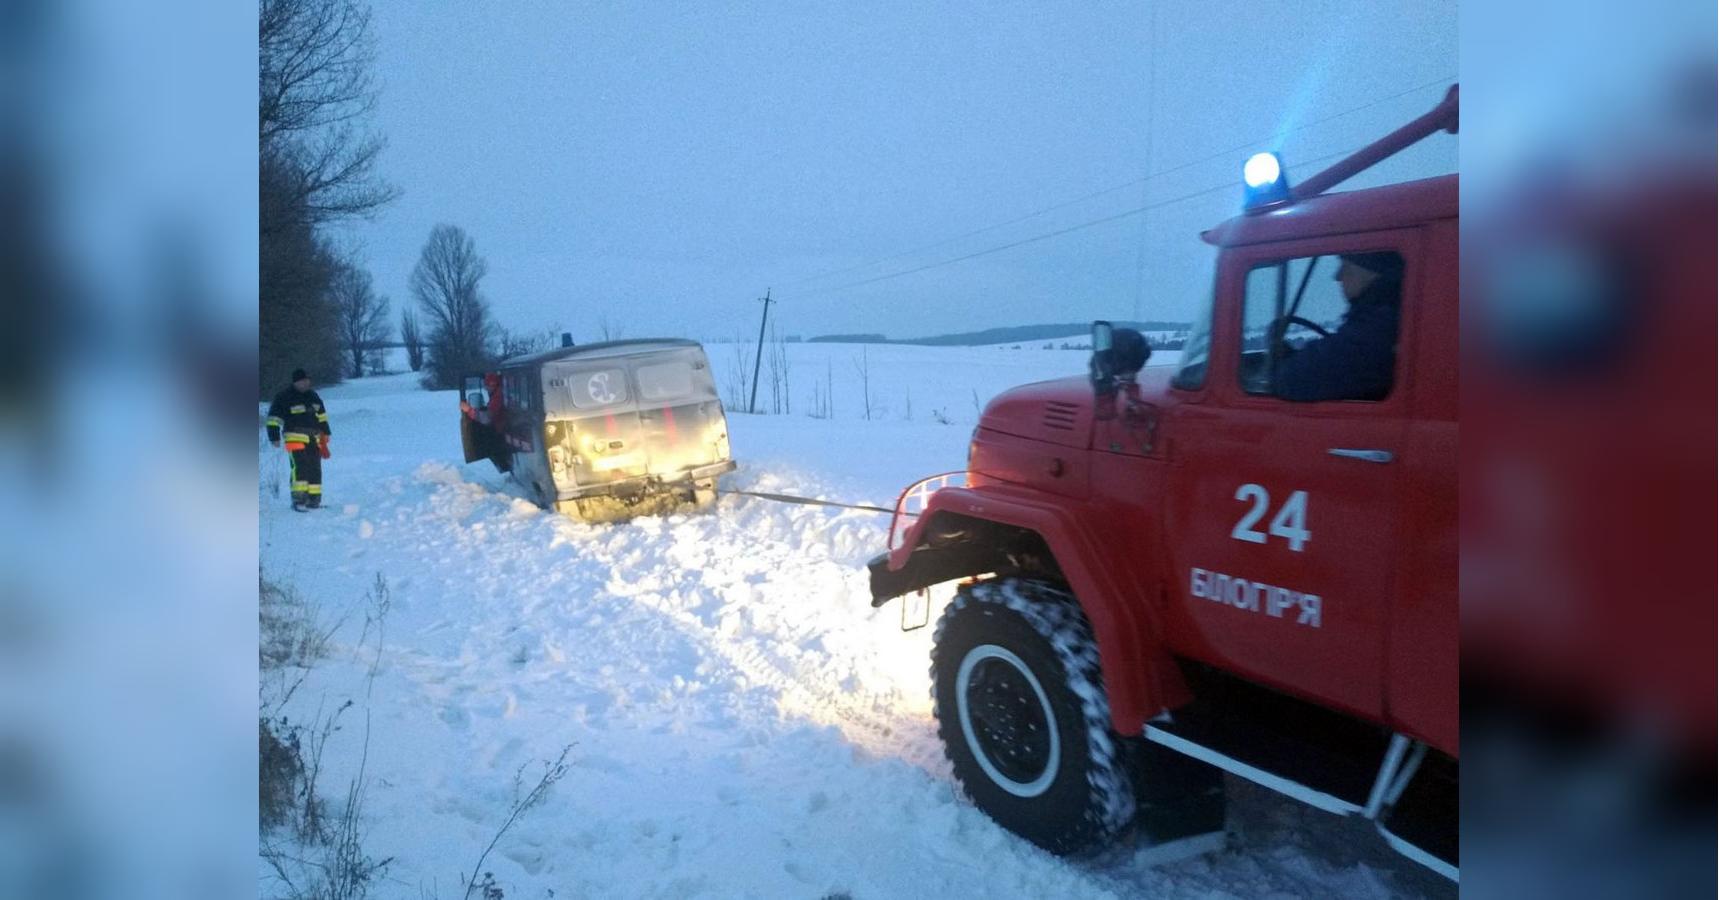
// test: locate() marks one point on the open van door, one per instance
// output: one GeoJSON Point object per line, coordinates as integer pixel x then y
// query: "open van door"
{"type": "Point", "coordinates": [477, 440]}
{"type": "Point", "coordinates": [471, 434]}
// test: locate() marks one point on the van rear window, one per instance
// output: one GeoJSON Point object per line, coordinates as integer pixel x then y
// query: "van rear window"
{"type": "Point", "coordinates": [597, 388]}
{"type": "Point", "coordinates": [665, 381]}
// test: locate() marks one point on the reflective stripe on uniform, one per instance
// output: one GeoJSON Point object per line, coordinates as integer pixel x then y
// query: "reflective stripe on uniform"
{"type": "Point", "coordinates": [295, 410]}
{"type": "Point", "coordinates": [322, 417]}
{"type": "Point", "coordinates": [273, 422]}
{"type": "Point", "coordinates": [296, 436]}
{"type": "Point", "coordinates": [314, 489]}
{"type": "Point", "coordinates": [299, 487]}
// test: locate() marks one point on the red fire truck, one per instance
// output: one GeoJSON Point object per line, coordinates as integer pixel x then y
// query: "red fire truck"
{"type": "Point", "coordinates": [1170, 573]}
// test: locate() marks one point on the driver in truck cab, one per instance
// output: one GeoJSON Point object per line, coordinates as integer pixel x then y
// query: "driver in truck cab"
{"type": "Point", "coordinates": [1355, 361]}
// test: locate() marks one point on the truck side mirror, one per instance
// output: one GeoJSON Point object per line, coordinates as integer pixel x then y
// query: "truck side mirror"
{"type": "Point", "coordinates": [1102, 364]}
{"type": "Point", "coordinates": [1103, 335]}
{"type": "Point", "coordinates": [1101, 371]}
{"type": "Point", "coordinates": [1128, 352]}
{"type": "Point", "coordinates": [1117, 353]}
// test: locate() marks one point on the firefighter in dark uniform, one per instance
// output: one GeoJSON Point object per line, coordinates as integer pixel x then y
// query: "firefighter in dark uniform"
{"type": "Point", "coordinates": [1355, 362]}
{"type": "Point", "coordinates": [298, 417]}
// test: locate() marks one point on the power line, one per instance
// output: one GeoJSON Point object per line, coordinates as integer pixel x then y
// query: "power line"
{"type": "Point", "coordinates": [1051, 234]}
{"type": "Point", "coordinates": [1113, 189]}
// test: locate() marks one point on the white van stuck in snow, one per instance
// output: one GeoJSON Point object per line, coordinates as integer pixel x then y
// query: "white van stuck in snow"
{"type": "Point", "coordinates": [604, 431]}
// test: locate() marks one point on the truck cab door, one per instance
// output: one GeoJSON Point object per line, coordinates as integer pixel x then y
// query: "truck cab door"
{"type": "Point", "coordinates": [472, 442]}
{"type": "Point", "coordinates": [1283, 517]}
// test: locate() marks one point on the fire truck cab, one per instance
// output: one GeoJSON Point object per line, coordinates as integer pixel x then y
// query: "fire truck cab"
{"type": "Point", "coordinates": [1243, 563]}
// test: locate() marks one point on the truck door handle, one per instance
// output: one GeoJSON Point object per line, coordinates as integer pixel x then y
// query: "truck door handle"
{"type": "Point", "coordinates": [1372, 456]}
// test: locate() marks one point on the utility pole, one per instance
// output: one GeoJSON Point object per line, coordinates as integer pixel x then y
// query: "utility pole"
{"type": "Point", "coordinates": [752, 404]}
{"type": "Point", "coordinates": [1146, 187]}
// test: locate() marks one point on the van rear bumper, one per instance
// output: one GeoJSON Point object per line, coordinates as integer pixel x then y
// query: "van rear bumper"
{"type": "Point", "coordinates": [648, 484]}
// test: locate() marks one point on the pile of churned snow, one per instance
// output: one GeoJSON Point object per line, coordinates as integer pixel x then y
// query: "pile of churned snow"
{"type": "Point", "coordinates": [742, 722]}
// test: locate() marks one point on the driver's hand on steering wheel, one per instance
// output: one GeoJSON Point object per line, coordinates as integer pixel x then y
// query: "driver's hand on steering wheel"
{"type": "Point", "coordinates": [1275, 340]}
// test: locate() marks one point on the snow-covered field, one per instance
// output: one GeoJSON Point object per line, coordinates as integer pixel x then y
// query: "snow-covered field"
{"type": "Point", "coordinates": [742, 723]}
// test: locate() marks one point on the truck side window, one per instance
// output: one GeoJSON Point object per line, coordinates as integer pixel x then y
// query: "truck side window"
{"type": "Point", "coordinates": [1322, 327]}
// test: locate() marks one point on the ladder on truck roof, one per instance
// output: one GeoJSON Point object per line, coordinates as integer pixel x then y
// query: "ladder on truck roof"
{"type": "Point", "coordinates": [1442, 117]}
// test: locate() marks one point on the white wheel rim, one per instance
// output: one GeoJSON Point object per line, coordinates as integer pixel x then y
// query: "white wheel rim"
{"type": "Point", "coordinates": [963, 678]}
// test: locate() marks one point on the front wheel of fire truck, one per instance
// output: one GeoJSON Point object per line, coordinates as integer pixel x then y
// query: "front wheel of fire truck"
{"type": "Point", "coordinates": [1022, 713]}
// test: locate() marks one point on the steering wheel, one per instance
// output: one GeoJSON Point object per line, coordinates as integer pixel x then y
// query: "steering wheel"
{"type": "Point", "coordinates": [1281, 324]}
{"type": "Point", "coordinates": [1277, 349]}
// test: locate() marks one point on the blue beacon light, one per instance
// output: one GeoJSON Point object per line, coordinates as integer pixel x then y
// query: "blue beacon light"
{"type": "Point", "coordinates": [1267, 185]}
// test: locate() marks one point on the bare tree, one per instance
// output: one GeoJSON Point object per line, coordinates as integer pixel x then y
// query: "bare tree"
{"type": "Point", "coordinates": [315, 90]}
{"type": "Point", "coordinates": [363, 316]}
{"type": "Point", "coordinates": [823, 396]}
{"type": "Point", "coordinates": [412, 339]}
{"type": "Point", "coordinates": [525, 343]}
{"type": "Point", "coordinates": [316, 164]}
{"type": "Point", "coordinates": [296, 321]}
{"type": "Point", "coordinates": [445, 284]}
{"type": "Point", "coordinates": [738, 378]}
{"type": "Point", "coordinates": [863, 367]}
{"type": "Point", "coordinates": [781, 401]}
{"type": "Point", "coordinates": [608, 330]}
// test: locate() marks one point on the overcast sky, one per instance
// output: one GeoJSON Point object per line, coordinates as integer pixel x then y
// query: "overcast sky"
{"type": "Point", "coordinates": [663, 164]}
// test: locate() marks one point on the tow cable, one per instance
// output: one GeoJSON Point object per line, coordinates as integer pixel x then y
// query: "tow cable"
{"type": "Point", "coordinates": [808, 501]}
{"type": "Point", "coordinates": [920, 490]}
{"type": "Point", "coordinates": [915, 606]}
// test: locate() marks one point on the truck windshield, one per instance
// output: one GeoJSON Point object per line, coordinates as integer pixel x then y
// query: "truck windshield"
{"type": "Point", "coordinates": [1192, 373]}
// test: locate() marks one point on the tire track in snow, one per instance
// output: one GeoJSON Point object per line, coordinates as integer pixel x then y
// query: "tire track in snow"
{"type": "Point", "coordinates": [722, 579]}
{"type": "Point", "coordinates": [762, 649]}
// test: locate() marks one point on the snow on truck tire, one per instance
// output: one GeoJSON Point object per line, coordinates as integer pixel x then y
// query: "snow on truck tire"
{"type": "Point", "coordinates": [1023, 716]}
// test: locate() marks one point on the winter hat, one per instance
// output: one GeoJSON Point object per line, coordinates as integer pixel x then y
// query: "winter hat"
{"type": "Point", "coordinates": [300, 375]}
{"type": "Point", "coordinates": [1385, 264]}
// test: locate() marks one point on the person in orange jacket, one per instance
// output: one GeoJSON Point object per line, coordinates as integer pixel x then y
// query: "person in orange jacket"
{"type": "Point", "coordinates": [490, 439]}
{"type": "Point", "coordinates": [493, 414]}
{"type": "Point", "coordinates": [298, 417]}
